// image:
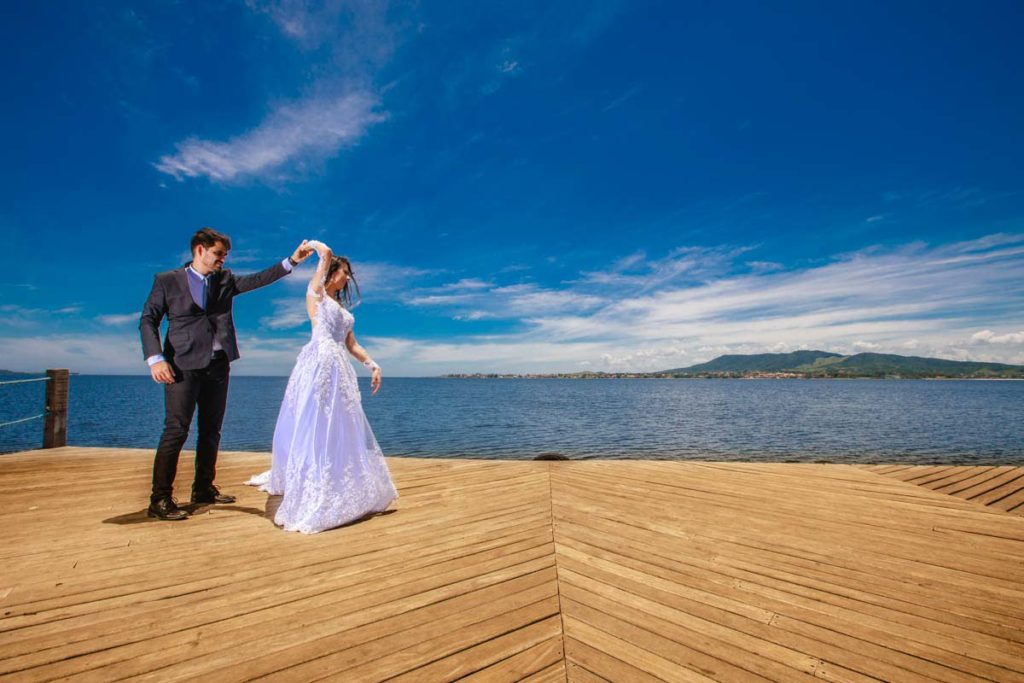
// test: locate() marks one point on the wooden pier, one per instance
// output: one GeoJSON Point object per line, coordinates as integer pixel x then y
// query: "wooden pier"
{"type": "Point", "coordinates": [508, 570]}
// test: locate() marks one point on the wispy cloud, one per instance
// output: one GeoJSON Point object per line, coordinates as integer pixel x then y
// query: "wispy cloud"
{"type": "Point", "coordinates": [116, 319]}
{"type": "Point", "coordinates": [378, 281]}
{"type": "Point", "coordinates": [990, 337]}
{"type": "Point", "coordinates": [547, 40]}
{"type": "Point", "coordinates": [508, 302]}
{"type": "Point", "coordinates": [506, 66]}
{"type": "Point", "coordinates": [287, 314]}
{"type": "Point", "coordinates": [919, 299]}
{"type": "Point", "coordinates": [624, 97]}
{"type": "Point", "coordinates": [509, 66]}
{"type": "Point", "coordinates": [18, 316]}
{"type": "Point", "coordinates": [87, 353]}
{"type": "Point", "coordinates": [637, 274]}
{"type": "Point", "coordinates": [360, 33]}
{"type": "Point", "coordinates": [348, 42]}
{"type": "Point", "coordinates": [292, 134]}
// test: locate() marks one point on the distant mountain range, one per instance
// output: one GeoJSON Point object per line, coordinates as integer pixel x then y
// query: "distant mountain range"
{"type": "Point", "coordinates": [825, 364]}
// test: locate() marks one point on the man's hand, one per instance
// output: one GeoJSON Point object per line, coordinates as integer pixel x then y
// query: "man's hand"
{"type": "Point", "coordinates": [162, 372]}
{"type": "Point", "coordinates": [302, 252]}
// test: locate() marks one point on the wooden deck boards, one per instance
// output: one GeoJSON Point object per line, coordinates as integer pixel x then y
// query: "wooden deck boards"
{"type": "Point", "coordinates": [1001, 488]}
{"type": "Point", "coordinates": [503, 570]}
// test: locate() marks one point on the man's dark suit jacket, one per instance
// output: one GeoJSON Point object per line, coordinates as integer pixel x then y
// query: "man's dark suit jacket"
{"type": "Point", "coordinates": [191, 330]}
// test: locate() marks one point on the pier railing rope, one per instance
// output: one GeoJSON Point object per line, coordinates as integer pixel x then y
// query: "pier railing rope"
{"type": "Point", "coordinates": [24, 419]}
{"type": "Point", "coordinates": [22, 381]}
{"type": "Point", "coordinates": [55, 409]}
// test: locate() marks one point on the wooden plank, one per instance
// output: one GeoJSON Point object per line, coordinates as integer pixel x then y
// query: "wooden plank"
{"type": "Point", "coordinates": [1011, 503]}
{"type": "Point", "coordinates": [1012, 477]}
{"type": "Point", "coordinates": [586, 663]}
{"type": "Point", "coordinates": [540, 662]}
{"type": "Point", "coordinates": [690, 648]}
{"type": "Point", "coordinates": [997, 487]}
{"type": "Point", "coordinates": [641, 665]}
{"type": "Point", "coordinates": [472, 659]}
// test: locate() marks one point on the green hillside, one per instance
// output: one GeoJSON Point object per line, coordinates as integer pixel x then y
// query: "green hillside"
{"type": "Point", "coordinates": [824, 364]}
{"type": "Point", "coordinates": [882, 364]}
{"type": "Point", "coordinates": [759, 362]}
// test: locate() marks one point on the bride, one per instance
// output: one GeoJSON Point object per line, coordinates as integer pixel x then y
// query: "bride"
{"type": "Point", "coordinates": [326, 462]}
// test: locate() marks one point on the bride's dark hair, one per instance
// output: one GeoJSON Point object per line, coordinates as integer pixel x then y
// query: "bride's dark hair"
{"type": "Point", "coordinates": [349, 295]}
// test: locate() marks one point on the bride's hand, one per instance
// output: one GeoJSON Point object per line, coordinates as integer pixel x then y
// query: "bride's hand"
{"type": "Point", "coordinates": [320, 248]}
{"type": "Point", "coordinates": [302, 252]}
{"type": "Point", "coordinates": [375, 381]}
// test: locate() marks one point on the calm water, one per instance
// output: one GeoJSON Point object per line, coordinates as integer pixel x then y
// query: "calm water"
{"type": "Point", "coordinates": [962, 422]}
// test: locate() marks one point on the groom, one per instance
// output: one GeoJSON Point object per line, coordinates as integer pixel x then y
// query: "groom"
{"type": "Point", "coordinates": [193, 363]}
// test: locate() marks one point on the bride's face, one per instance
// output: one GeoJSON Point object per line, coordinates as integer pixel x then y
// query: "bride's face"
{"type": "Point", "coordinates": [339, 279]}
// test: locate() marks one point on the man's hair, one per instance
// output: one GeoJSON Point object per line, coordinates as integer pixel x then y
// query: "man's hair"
{"type": "Point", "coordinates": [209, 237]}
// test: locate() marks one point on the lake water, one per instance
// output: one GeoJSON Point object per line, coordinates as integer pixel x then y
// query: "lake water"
{"type": "Point", "coordinates": [956, 422]}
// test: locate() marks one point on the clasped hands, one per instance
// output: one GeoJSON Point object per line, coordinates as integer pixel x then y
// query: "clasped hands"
{"type": "Point", "coordinates": [302, 252]}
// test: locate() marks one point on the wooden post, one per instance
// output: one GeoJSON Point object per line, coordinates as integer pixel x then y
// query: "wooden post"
{"type": "Point", "coordinates": [55, 427]}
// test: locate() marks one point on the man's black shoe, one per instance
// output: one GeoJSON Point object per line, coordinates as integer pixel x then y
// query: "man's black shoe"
{"type": "Point", "coordinates": [165, 508]}
{"type": "Point", "coordinates": [211, 495]}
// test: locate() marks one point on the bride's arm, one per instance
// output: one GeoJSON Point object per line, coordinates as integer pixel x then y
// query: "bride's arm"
{"type": "Point", "coordinates": [360, 354]}
{"type": "Point", "coordinates": [315, 291]}
{"type": "Point", "coordinates": [316, 283]}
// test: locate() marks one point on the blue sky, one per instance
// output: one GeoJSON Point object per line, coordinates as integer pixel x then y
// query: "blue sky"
{"type": "Point", "coordinates": [522, 186]}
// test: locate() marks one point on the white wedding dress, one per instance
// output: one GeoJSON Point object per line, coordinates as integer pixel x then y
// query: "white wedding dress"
{"type": "Point", "coordinates": [326, 462]}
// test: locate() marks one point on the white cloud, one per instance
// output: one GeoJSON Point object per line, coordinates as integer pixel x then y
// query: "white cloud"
{"type": "Point", "coordinates": [629, 94]}
{"type": "Point", "coordinates": [293, 133]}
{"type": "Point", "coordinates": [358, 39]}
{"type": "Point", "coordinates": [86, 353]}
{"type": "Point", "coordinates": [114, 319]}
{"type": "Point", "coordinates": [466, 283]}
{"type": "Point", "coordinates": [380, 280]}
{"type": "Point", "coordinates": [358, 32]}
{"type": "Point", "coordinates": [919, 298]}
{"type": "Point", "coordinates": [287, 314]}
{"type": "Point", "coordinates": [473, 315]}
{"type": "Point", "coordinates": [17, 316]}
{"type": "Point", "coordinates": [764, 266]}
{"type": "Point", "coordinates": [636, 273]}
{"type": "Point", "coordinates": [990, 337]}
{"type": "Point", "coordinates": [481, 300]}
{"type": "Point", "coordinates": [377, 280]}
{"type": "Point", "coordinates": [442, 299]}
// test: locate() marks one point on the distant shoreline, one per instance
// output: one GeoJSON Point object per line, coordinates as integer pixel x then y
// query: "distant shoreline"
{"type": "Point", "coordinates": [744, 377]}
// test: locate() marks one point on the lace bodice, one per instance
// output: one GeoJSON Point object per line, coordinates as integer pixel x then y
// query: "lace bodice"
{"type": "Point", "coordinates": [324, 360]}
{"type": "Point", "coordinates": [333, 321]}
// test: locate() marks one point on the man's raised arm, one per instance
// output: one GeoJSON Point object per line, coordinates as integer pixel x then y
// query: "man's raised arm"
{"type": "Point", "coordinates": [246, 283]}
